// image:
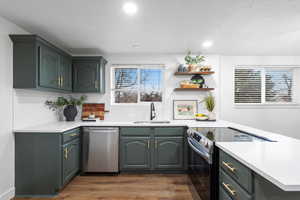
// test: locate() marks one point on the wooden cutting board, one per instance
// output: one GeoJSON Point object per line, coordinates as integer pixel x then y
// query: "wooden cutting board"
{"type": "Point", "coordinates": [98, 109]}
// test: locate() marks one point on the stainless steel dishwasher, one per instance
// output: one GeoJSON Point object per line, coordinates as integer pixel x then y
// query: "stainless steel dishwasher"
{"type": "Point", "coordinates": [100, 149]}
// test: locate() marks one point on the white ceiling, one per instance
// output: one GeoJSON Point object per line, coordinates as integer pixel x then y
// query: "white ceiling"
{"type": "Point", "coordinates": [237, 27]}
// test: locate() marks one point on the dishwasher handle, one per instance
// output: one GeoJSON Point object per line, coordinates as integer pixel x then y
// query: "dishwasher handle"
{"type": "Point", "coordinates": [102, 129]}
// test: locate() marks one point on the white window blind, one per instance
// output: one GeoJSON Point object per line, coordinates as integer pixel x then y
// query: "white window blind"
{"type": "Point", "coordinates": [247, 86]}
{"type": "Point", "coordinates": [263, 85]}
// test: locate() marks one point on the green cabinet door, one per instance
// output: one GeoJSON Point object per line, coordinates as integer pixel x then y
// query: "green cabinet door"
{"type": "Point", "coordinates": [49, 62]}
{"type": "Point", "coordinates": [89, 74]}
{"type": "Point", "coordinates": [86, 76]}
{"type": "Point", "coordinates": [168, 153]}
{"type": "Point", "coordinates": [65, 73]}
{"type": "Point", "coordinates": [71, 160]}
{"type": "Point", "coordinates": [135, 153]}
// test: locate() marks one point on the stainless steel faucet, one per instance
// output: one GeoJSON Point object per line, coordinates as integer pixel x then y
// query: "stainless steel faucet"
{"type": "Point", "coordinates": [152, 111]}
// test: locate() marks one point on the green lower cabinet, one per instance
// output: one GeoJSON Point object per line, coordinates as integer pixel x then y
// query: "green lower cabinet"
{"type": "Point", "coordinates": [149, 149]}
{"type": "Point", "coordinates": [168, 153]}
{"type": "Point", "coordinates": [44, 163]}
{"type": "Point", "coordinates": [135, 153]}
{"type": "Point", "coordinates": [223, 195]}
{"type": "Point", "coordinates": [237, 182]}
{"type": "Point", "coordinates": [265, 190]}
{"type": "Point", "coordinates": [71, 161]}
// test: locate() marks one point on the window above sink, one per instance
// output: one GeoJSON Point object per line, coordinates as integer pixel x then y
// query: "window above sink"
{"type": "Point", "coordinates": [136, 84]}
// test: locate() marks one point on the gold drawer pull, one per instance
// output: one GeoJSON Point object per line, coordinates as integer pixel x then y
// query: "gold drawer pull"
{"type": "Point", "coordinates": [228, 188]}
{"type": "Point", "coordinates": [227, 165]}
{"type": "Point", "coordinates": [73, 134]}
{"type": "Point", "coordinates": [66, 153]}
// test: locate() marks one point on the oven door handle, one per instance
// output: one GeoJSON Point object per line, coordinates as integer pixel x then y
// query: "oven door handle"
{"type": "Point", "coordinates": [203, 154]}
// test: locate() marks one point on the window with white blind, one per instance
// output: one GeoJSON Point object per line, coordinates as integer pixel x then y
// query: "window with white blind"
{"type": "Point", "coordinates": [263, 85]}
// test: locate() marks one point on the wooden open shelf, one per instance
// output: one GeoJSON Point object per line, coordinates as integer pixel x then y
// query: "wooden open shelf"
{"type": "Point", "coordinates": [194, 73]}
{"type": "Point", "coordinates": [193, 89]}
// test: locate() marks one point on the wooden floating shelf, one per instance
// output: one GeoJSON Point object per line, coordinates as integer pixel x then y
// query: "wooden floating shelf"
{"type": "Point", "coordinates": [194, 73]}
{"type": "Point", "coordinates": [193, 89]}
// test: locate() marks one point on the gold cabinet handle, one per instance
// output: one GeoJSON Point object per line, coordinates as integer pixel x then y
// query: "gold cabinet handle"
{"type": "Point", "coordinates": [228, 188]}
{"type": "Point", "coordinates": [61, 81]}
{"type": "Point", "coordinates": [228, 166]}
{"type": "Point", "coordinates": [156, 144]}
{"type": "Point", "coordinates": [66, 153]}
{"type": "Point", "coordinates": [148, 144]}
{"type": "Point", "coordinates": [73, 134]}
{"type": "Point", "coordinates": [96, 84]}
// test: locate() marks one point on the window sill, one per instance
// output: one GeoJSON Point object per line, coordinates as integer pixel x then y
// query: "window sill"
{"type": "Point", "coordinates": [135, 104]}
{"type": "Point", "coordinates": [268, 106]}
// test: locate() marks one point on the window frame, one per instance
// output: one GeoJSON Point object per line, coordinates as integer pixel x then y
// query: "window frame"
{"type": "Point", "coordinates": [264, 104]}
{"type": "Point", "coordinates": [136, 66]}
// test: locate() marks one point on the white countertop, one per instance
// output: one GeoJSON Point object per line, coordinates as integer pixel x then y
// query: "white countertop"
{"type": "Point", "coordinates": [59, 127]}
{"type": "Point", "coordinates": [277, 162]}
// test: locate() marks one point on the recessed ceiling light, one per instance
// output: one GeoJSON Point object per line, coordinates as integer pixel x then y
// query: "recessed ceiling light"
{"type": "Point", "coordinates": [136, 45]}
{"type": "Point", "coordinates": [207, 44]}
{"type": "Point", "coordinates": [130, 8]}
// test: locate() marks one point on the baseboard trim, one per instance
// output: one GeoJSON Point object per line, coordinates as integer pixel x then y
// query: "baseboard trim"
{"type": "Point", "coordinates": [9, 194]}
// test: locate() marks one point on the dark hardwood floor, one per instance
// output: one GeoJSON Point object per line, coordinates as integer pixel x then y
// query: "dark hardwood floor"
{"type": "Point", "coordinates": [127, 187]}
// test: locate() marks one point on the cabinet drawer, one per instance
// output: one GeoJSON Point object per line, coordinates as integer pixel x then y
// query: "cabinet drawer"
{"type": "Point", "coordinates": [169, 131]}
{"type": "Point", "coordinates": [223, 195]}
{"type": "Point", "coordinates": [132, 131]}
{"type": "Point", "coordinates": [232, 188]}
{"type": "Point", "coordinates": [70, 135]}
{"type": "Point", "coordinates": [240, 173]}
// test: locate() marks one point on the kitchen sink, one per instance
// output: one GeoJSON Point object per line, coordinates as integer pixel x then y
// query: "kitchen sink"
{"type": "Point", "coordinates": [152, 122]}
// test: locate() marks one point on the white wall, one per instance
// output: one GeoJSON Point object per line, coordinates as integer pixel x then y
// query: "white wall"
{"type": "Point", "coordinates": [19, 108]}
{"type": "Point", "coordinates": [30, 108]}
{"type": "Point", "coordinates": [165, 109]}
{"type": "Point", "coordinates": [6, 107]}
{"type": "Point", "coordinates": [283, 120]}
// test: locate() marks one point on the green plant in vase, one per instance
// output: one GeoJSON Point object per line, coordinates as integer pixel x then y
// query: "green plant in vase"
{"type": "Point", "coordinates": [209, 102]}
{"type": "Point", "coordinates": [68, 104]}
{"type": "Point", "coordinates": [192, 62]}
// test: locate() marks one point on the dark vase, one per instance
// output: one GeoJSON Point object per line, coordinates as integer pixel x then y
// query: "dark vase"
{"type": "Point", "coordinates": [70, 112]}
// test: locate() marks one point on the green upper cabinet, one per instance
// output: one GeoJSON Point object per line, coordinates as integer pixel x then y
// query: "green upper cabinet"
{"type": "Point", "coordinates": [66, 73]}
{"type": "Point", "coordinates": [49, 64]}
{"type": "Point", "coordinates": [89, 74]}
{"type": "Point", "coordinates": [40, 65]}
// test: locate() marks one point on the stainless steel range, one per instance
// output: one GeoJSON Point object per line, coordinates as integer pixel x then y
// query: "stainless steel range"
{"type": "Point", "coordinates": [203, 156]}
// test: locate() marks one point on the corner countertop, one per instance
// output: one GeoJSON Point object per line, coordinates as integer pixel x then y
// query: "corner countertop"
{"type": "Point", "coordinates": [277, 161]}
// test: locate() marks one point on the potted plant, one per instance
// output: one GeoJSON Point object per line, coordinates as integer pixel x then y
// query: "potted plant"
{"type": "Point", "coordinates": [69, 104]}
{"type": "Point", "coordinates": [209, 102]}
{"type": "Point", "coordinates": [193, 62]}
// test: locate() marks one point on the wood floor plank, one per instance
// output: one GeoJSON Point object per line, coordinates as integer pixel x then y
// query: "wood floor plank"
{"type": "Point", "coordinates": [126, 187]}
